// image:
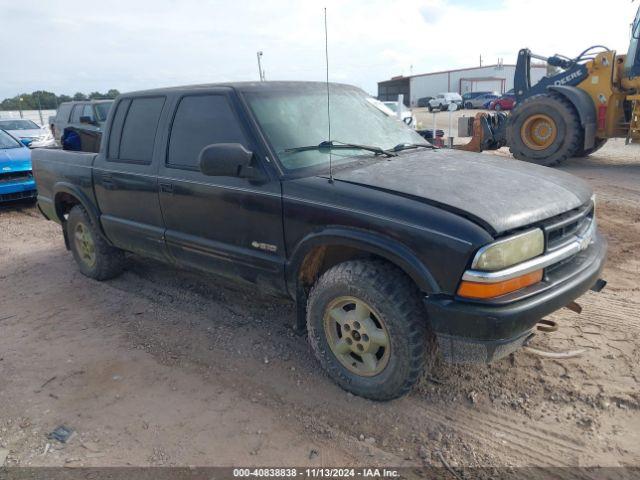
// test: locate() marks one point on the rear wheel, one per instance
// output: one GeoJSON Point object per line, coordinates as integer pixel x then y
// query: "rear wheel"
{"type": "Point", "coordinates": [468, 105]}
{"type": "Point", "coordinates": [430, 108]}
{"type": "Point", "coordinates": [368, 329]}
{"type": "Point", "coordinates": [95, 258]}
{"type": "Point", "coordinates": [544, 129]}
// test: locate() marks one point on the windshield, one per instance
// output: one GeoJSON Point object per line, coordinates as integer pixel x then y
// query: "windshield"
{"type": "Point", "coordinates": [297, 117]}
{"type": "Point", "coordinates": [102, 110]}
{"type": "Point", "coordinates": [18, 125]}
{"type": "Point", "coordinates": [7, 141]}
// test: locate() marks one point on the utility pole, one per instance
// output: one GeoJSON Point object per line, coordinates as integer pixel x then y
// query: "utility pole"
{"type": "Point", "coordinates": [40, 109]}
{"type": "Point", "coordinates": [260, 71]}
{"type": "Point", "coordinates": [480, 59]}
{"type": "Point", "coordinates": [20, 106]}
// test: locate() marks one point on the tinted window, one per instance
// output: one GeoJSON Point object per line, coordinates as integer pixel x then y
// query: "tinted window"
{"type": "Point", "coordinates": [139, 130]}
{"type": "Point", "coordinates": [87, 111]}
{"type": "Point", "coordinates": [116, 129]}
{"type": "Point", "coordinates": [76, 113]}
{"type": "Point", "coordinates": [63, 112]}
{"type": "Point", "coordinates": [200, 121]}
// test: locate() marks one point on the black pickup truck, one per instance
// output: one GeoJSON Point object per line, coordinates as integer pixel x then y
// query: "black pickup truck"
{"type": "Point", "coordinates": [391, 249]}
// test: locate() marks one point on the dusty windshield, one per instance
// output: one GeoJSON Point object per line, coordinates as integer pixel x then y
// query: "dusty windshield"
{"type": "Point", "coordinates": [297, 117]}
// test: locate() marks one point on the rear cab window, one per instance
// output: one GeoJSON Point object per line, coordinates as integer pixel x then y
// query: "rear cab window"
{"type": "Point", "coordinates": [133, 130]}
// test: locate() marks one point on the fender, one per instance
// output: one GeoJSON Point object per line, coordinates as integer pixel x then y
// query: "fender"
{"type": "Point", "coordinates": [92, 211]}
{"type": "Point", "coordinates": [384, 247]}
{"type": "Point", "coordinates": [585, 107]}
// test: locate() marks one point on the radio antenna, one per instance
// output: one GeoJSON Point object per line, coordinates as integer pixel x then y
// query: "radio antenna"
{"type": "Point", "coordinates": [326, 58]}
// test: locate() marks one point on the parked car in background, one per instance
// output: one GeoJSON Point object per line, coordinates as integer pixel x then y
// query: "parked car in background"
{"type": "Point", "coordinates": [90, 115]}
{"type": "Point", "coordinates": [28, 132]}
{"type": "Point", "coordinates": [424, 102]}
{"type": "Point", "coordinates": [443, 100]}
{"type": "Point", "coordinates": [405, 114]}
{"type": "Point", "coordinates": [481, 100]}
{"type": "Point", "coordinates": [505, 102]}
{"type": "Point", "coordinates": [16, 177]}
{"type": "Point", "coordinates": [468, 96]}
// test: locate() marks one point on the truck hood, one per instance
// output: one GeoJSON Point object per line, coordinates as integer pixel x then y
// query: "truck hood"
{"type": "Point", "coordinates": [15, 160]}
{"type": "Point", "coordinates": [499, 194]}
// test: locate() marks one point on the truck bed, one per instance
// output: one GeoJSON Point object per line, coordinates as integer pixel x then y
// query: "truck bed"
{"type": "Point", "coordinates": [59, 172]}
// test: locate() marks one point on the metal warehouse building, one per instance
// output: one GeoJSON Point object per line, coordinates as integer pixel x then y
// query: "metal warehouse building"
{"type": "Point", "coordinates": [497, 78]}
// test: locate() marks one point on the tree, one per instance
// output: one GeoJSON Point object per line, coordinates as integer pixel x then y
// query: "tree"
{"type": "Point", "coordinates": [41, 99]}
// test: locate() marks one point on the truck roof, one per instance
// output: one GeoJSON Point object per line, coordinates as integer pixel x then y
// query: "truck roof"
{"type": "Point", "coordinates": [74, 102]}
{"type": "Point", "coordinates": [241, 86]}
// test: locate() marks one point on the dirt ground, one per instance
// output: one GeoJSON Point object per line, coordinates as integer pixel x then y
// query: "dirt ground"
{"type": "Point", "coordinates": [166, 367]}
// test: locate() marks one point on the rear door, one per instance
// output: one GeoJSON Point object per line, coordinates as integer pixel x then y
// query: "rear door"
{"type": "Point", "coordinates": [125, 177]}
{"type": "Point", "coordinates": [225, 225]}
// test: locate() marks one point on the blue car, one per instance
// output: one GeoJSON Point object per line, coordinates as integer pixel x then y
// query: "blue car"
{"type": "Point", "coordinates": [16, 177]}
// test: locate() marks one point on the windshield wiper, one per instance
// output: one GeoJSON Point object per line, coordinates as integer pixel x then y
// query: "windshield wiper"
{"type": "Point", "coordinates": [337, 145]}
{"type": "Point", "coordinates": [407, 146]}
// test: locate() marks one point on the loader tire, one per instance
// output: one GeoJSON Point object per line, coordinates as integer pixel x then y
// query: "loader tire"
{"type": "Point", "coordinates": [544, 129]}
{"type": "Point", "coordinates": [597, 146]}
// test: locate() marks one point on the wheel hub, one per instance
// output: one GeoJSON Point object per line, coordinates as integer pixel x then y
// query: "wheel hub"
{"type": "Point", "coordinates": [84, 244]}
{"type": "Point", "coordinates": [357, 336]}
{"type": "Point", "coordinates": [539, 131]}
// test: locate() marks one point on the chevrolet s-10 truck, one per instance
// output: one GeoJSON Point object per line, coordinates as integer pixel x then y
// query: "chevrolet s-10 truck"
{"type": "Point", "coordinates": [392, 250]}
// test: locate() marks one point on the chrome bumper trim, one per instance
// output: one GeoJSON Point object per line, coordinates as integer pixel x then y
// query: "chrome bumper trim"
{"type": "Point", "coordinates": [579, 243]}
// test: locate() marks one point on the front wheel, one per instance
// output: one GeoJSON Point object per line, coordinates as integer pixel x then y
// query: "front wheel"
{"type": "Point", "coordinates": [497, 107]}
{"type": "Point", "coordinates": [468, 105]}
{"type": "Point", "coordinates": [369, 330]}
{"type": "Point", "coordinates": [430, 108]}
{"type": "Point", "coordinates": [95, 258]}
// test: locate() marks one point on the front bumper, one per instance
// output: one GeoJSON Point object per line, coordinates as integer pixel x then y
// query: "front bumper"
{"type": "Point", "coordinates": [19, 190]}
{"type": "Point", "coordinates": [474, 332]}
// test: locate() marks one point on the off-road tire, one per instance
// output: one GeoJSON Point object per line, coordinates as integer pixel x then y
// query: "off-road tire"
{"type": "Point", "coordinates": [569, 136]}
{"type": "Point", "coordinates": [600, 142]}
{"type": "Point", "coordinates": [413, 344]}
{"type": "Point", "coordinates": [109, 261]}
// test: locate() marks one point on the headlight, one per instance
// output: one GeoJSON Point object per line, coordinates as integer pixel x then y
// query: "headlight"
{"type": "Point", "coordinates": [510, 251]}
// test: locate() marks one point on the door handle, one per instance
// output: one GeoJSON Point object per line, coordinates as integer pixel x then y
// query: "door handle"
{"type": "Point", "coordinates": [166, 187]}
{"type": "Point", "coordinates": [107, 182]}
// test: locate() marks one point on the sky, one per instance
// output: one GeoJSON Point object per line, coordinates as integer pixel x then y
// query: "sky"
{"type": "Point", "coordinates": [68, 46]}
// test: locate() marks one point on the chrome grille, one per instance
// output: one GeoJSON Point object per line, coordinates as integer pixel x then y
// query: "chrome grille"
{"type": "Point", "coordinates": [562, 230]}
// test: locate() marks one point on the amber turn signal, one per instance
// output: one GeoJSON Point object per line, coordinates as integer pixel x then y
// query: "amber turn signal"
{"type": "Point", "coordinates": [492, 290]}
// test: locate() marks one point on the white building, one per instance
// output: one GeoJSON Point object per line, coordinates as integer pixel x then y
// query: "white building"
{"type": "Point", "coordinates": [498, 78]}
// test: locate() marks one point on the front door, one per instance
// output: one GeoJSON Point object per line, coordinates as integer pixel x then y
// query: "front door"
{"type": "Point", "coordinates": [227, 225]}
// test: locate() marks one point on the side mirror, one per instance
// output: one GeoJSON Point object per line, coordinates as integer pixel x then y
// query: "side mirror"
{"type": "Point", "coordinates": [26, 142]}
{"type": "Point", "coordinates": [227, 160]}
{"type": "Point", "coordinates": [86, 120]}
